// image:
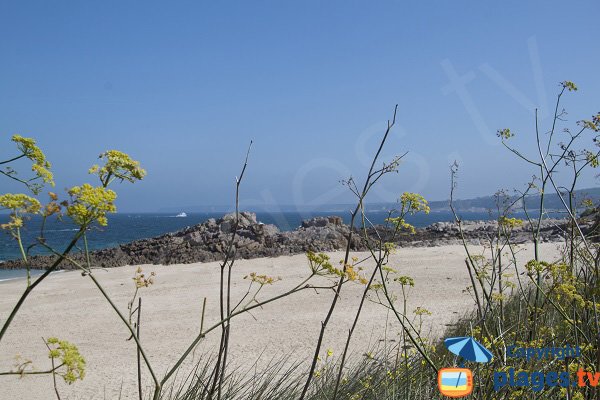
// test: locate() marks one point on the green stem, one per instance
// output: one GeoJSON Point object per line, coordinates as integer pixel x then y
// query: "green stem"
{"type": "Point", "coordinates": [50, 371]}
{"type": "Point", "coordinates": [12, 159]}
{"type": "Point", "coordinates": [30, 288]}
{"type": "Point", "coordinates": [24, 255]}
{"type": "Point", "coordinates": [157, 383]}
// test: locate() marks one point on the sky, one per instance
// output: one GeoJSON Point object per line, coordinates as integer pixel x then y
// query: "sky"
{"type": "Point", "coordinates": [184, 86]}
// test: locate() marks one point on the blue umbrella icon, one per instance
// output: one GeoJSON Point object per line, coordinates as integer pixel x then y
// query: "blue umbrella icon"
{"type": "Point", "coordinates": [469, 349]}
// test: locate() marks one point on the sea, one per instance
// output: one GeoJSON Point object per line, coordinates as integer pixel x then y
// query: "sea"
{"type": "Point", "coordinates": [127, 227]}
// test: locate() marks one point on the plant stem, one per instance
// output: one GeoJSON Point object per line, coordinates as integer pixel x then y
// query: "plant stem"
{"type": "Point", "coordinates": [139, 363]}
{"type": "Point", "coordinates": [367, 185]}
{"type": "Point", "coordinates": [131, 330]}
{"type": "Point", "coordinates": [30, 288]}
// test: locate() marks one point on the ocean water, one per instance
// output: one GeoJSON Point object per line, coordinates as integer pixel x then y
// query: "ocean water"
{"type": "Point", "coordinates": [124, 227]}
{"type": "Point", "coordinates": [11, 274]}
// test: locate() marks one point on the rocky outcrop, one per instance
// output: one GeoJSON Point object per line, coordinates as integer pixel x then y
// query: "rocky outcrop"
{"type": "Point", "coordinates": [210, 240]}
{"type": "Point", "coordinates": [480, 232]}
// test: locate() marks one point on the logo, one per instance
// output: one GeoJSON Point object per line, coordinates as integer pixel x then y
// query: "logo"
{"type": "Point", "coordinates": [458, 382]}
{"type": "Point", "coordinates": [537, 379]}
{"type": "Point", "coordinates": [455, 382]}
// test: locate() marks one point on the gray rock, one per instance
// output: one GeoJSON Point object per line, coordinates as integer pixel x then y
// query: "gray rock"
{"type": "Point", "coordinates": [322, 222]}
{"type": "Point", "coordinates": [210, 241]}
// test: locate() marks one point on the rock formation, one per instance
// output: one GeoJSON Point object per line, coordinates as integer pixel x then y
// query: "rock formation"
{"type": "Point", "coordinates": [209, 241]}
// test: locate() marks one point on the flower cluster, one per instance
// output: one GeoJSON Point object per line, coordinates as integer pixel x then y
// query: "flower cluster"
{"type": "Point", "coordinates": [69, 357]}
{"type": "Point", "coordinates": [390, 247]}
{"type": "Point", "coordinates": [570, 86]}
{"type": "Point", "coordinates": [319, 262]}
{"type": "Point", "coordinates": [405, 280]}
{"type": "Point", "coordinates": [118, 165]}
{"type": "Point", "coordinates": [536, 266]}
{"type": "Point", "coordinates": [565, 285]}
{"type": "Point", "coordinates": [504, 133]}
{"type": "Point", "coordinates": [509, 223]}
{"type": "Point", "coordinates": [261, 279]}
{"type": "Point", "coordinates": [41, 166]}
{"type": "Point", "coordinates": [410, 203]}
{"type": "Point", "coordinates": [140, 280]}
{"type": "Point", "coordinates": [591, 158]}
{"type": "Point", "coordinates": [320, 265]}
{"type": "Point", "coordinates": [89, 204]}
{"type": "Point", "coordinates": [19, 204]}
{"type": "Point", "coordinates": [419, 311]}
{"type": "Point", "coordinates": [389, 270]}
{"type": "Point", "coordinates": [413, 203]}
{"type": "Point", "coordinates": [593, 125]}
{"type": "Point", "coordinates": [401, 224]}
{"type": "Point", "coordinates": [353, 275]}
{"type": "Point", "coordinates": [587, 203]}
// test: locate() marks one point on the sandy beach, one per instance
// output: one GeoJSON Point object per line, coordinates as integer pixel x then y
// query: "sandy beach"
{"type": "Point", "coordinates": [67, 305]}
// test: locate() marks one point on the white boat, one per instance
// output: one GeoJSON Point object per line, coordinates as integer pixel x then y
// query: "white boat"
{"type": "Point", "coordinates": [181, 215]}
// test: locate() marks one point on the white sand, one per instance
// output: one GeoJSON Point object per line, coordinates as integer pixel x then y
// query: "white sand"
{"type": "Point", "coordinates": [68, 306]}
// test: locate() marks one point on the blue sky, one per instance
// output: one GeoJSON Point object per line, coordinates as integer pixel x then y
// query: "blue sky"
{"type": "Point", "coordinates": [184, 86]}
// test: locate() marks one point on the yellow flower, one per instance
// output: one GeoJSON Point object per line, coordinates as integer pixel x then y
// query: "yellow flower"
{"type": "Point", "coordinates": [90, 204]}
{"type": "Point", "coordinates": [261, 279]}
{"type": "Point", "coordinates": [319, 263]}
{"type": "Point", "coordinates": [570, 86]}
{"type": "Point", "coordinates": [390, 247]}
{"type": "Point", "coordinates": [421, 311]}
{"type": "Point", "coordinates": [504, 133]}
{"type": "Point", "coordinates": [140, 280]}
{"type": "Point", "coordinates": [400, 223]}
{"type": "Point", "coordinates": [509, 222]}
{"type": "Point", "coordinates": [117, 165]}
{"type": "Point", "coordinates": [387, 268]}
{"type": "Point", "coordinates": [405, 280]}
{"type": "Point", "coordinates": [40, 166]}
{"type": "Point", "coordinates": [413, 203]}
{"type": "Point", "coordinates": [69, 358]}
{"type": "Point", "coordinates": [351, 274]}
{"type": "Point", "coordinates": [592, 158]}
{"type": "Point", "coordinates": [43, 173]}
{"type": "Point", "coordinates": [19, 204]}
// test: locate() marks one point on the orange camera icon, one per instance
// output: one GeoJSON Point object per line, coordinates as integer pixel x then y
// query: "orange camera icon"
{"type": "Point", "coordinates": [455, 382]}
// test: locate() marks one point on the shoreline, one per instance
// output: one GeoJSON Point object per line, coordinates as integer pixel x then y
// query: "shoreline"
{"type": "Point", "coordinates": [34, 273]}
{"type": "Point", "coordinates": [207, 241]}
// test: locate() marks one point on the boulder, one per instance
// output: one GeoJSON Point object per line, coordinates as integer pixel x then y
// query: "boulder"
{"type": "Point", "coordinates": [322, 222]}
